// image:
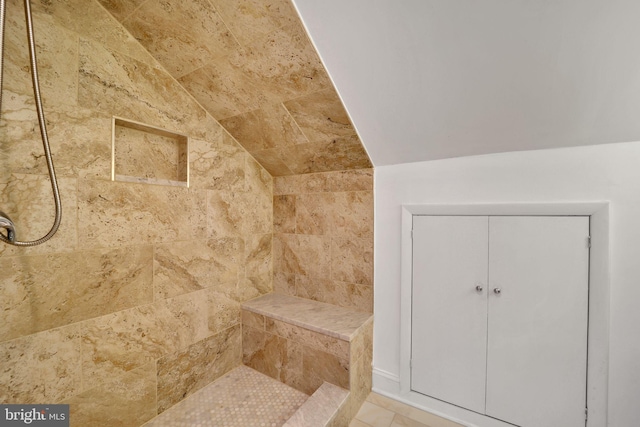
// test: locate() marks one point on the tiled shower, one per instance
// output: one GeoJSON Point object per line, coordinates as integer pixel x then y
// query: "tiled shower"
{"type": "Point", "coordinates": [135, 303]}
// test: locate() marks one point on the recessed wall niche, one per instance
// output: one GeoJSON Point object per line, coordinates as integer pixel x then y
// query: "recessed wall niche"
{"type": "Point", "coordinates": [148, 154]}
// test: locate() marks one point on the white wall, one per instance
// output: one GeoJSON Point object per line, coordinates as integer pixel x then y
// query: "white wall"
{"type": "Point", "coordinates": [581, 174]}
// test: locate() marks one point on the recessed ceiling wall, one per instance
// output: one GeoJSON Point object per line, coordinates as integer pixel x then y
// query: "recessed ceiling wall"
{"type": "Point", "coordinates": [252, 66]}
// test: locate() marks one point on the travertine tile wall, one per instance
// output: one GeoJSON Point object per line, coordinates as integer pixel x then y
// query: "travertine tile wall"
{"type": "Point", "coordinates": [135, 303]}
{"type": "Point", "coordinates": [323, 237]}
{"type": "Point", "coordinates": [252, 66]}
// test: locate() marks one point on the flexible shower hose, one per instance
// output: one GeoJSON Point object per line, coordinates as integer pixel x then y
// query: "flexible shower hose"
{"type": "Point", "coordinates": [41, 121]}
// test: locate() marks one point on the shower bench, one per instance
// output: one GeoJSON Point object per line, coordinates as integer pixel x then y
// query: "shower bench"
{"type": "Point", "coordinates": [317, 348]}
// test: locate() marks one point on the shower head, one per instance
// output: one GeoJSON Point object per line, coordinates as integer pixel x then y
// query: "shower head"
{"type": "Point", "coordinates": [7, 224]}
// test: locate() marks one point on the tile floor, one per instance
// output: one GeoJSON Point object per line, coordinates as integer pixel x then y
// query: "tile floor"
{"type": "Point", "coordinates": [380, 411]}
{"type": "Point", "coordinates": [242, 397]}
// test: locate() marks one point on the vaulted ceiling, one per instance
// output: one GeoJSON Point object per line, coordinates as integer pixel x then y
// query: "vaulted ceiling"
{"type": "Point", "coordinates": [433, 79]}
{"type": "Point", "coordinates": [251, 64]}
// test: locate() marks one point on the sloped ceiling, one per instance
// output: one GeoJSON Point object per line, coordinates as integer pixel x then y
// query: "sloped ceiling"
{"type": "Point", "coordinates": [432, 79]}
{"type": "Point", "coordinates": [252, 66]}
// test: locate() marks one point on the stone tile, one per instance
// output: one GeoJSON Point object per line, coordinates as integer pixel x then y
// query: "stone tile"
{"type": "Point", "coordinates": [302, 184]}
{"type": "Point", "coordinates": [225, 213]}
{"type": "Point", "coordinates": [113, 213]}
{"type": "Point", "coordinates": [43, 367]}
{"type": "Point", "coordinates": [147, 155]}
{"type": "Point", "coordinates": [41, 292]}
{"type": "Point", "coordinates": [223, 311]}
{"type": "Point", "coordinates": [243, 397]}
{"type": "Point", "coordinates": [352, 214]}
{"type": "Point", "coordinates": [352, 260]}
{"type": "Point", "coordinates": [253, 320]}
{"type": "Point", "coordinates": [264, 352]}
{"type": "Point", "coordinates": [362, 343]}
{"type": "Point", "coordinates": [125, 340]}
{"type": "Point", "coordinates": [251, 20]}
{"type": "Point", "coordinates": [338, 154]}
{"type": "Point", "coordinates": [321, 116]}
{"type": "Point", "coordinates": [182, 36]}
{"type": "Point", "coordinates": [121, 86]}
{"type": "Point", "coordinates": [328, 319]}
{"type": "Point", "coordinates": [258, 255]}
{"type": "Point", "coordinates": [409, 412]}
{"type": "Point", "coordinates": [121, 9]}
{"type": "Point", "coordinates": [259, 204]}
{"type": "Point", "coordinates": [94, 23]}
{"type": "Point", "coordinates": [224, 90]}
{"type": "Point", "coordinates": [374, 415]}
{"type": "Point", "coordinates": [182, 373]}
{"type": "Point", "coordinates": [314, 213]}
{"type": "Point", "coordinates": [126, 400]}
{"type": "Point", "coordinates": [268, 127]}
{"type": "Point", "coordinates": [307, 337]}
{"type": "Point", "coordinates": [272, 161]}
{"type": "Point", "coordinates": [80, 139]}
{"type": "Point", "coordinates": [285, 254]}
{"type": "Point", "coordinates": [28, 200]}
{"type": "Point", "coordinates": [219, 166]}
{"type": "Point", "coordinates": [182, 267]}
{"type": "Point", "coordinates": [348, 295]}
{"type": "Point", "coordinates": [321, 366]}
{"type": "Point", "coordinates": [400, 421]}
{"type": "Point", "coordinates": [57, 59]}
{"type": "Point", "coordinates": [284, 283]}
{"type": "Point", "coordinates": [284, 214]}
{"type": "Point", "coordinates": [284, 65]}
{"type": "Point", "coordinates": [314, 255]}
{"type": "Point", "coordinates": [351, 180]}
{"type": "Point", "coordinates": [321, 408]}
{"type": "Point", "coordinates": [357, 423]}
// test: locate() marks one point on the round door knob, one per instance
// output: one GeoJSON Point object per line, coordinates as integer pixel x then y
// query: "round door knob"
{"type": "Point", "coordinates": [479, 288]}
{"type": "Point", "coordinates": [497, 290]}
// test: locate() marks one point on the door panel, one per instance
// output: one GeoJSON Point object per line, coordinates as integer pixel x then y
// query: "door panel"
{"type": "Point", "coordinates": [537, 329]}
{"type": "Point", "coordinates": [449, 316]}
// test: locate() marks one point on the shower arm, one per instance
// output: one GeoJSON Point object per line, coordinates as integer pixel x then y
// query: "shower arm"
{"type": "Point", "coordinates": [5, 221]}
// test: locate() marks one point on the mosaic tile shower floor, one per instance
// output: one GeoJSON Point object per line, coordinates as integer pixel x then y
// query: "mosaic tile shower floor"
{"type": "Point", "coordinates": [243, 397]}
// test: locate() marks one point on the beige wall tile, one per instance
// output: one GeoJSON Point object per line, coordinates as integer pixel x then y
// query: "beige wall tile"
{"type": "Point", "coordinates": [250, 20]}
{"type": "Point", "coordinates": [284, 283]}
{"type": "Point", "coordinates": [43, 367]}
{"type": "Point", "coordinates": [285, 254]}
{"type": "Point", "coordinates": [352, 260]}
{"type": "Point", "coordinates": [268, 127]}
{"type": "Point", "coordinates": [217, 166]}
{"type": "Point", "coordinates": [283, 65]}
{"type": "Point", "coordinates": [94, 23]}
{"type": "Point", "coordinates": [27, 199]}
{"type": "Point", "coordinates": [42, 292]}
{"type": "Point", "coordinates": [126, 400]}
{"type": "Point", "coordinates": [319, 366]}
{"type": "Point", "coordinates": [113, 213]}
{"type": "Point", "coordinates": [272, 161]}
{"type": "Point", "coordinates": [352, 214]}
{"type": "Point", "coordinates": [258, 255]}
{"type": "Point", "coordinates": [148, 95]}
{"type": "Point", "coordinates": [182, 373]}
{"type": "Point", "coordinates": [253, 320]}
{"type": "Point", "coordinates": [314, 213]}
{"type": "Point", "coordinates": [351, 180]}
{"type": "Point", "coordinates": [264, 352]}
{"type": "Point", "coordinates": [321, 116]}
{"type": "Point", "coordinates": [338, 154]}
{"type": "Point", "coordinates": [122, 341]}
{"type": "Point", "coordinates": [160, 27]}
{"type": "Point", "coordinates": [121, 9]}
{"type": "Point", "coordinates": [223, 311]}
{"type": "Point", "coordinates": [309, 338]}
{"type": "Point", "coordinates": [182, 267]}
{"type": "Point", "coordinates": [314, 255]}
{"type": "Point", "coordinates": [57, 59]}
{"type": "Point", "coordinates": [284, 214]}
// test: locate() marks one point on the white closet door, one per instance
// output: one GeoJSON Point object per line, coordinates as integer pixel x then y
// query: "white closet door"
{"type": "Point", "coordinates": [449, 316]}
{"type": "Point", "coordinates": [537, 340]}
